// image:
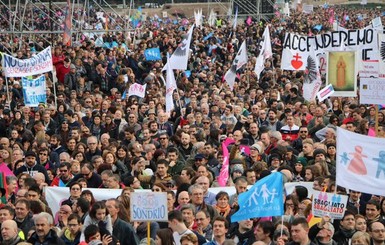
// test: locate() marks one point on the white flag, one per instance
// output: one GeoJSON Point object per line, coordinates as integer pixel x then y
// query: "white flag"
{"type": "Point", "coordinates": [235, 19]}
{"type": "Point", "coordinates": [198, 18]}
{"type": "Point", "coordinates": [239, 60]}
{"type": "Point", "coordinates": [312, 78]}
{"type": "Point", "coordinates": [360, 162]}
{"type": "Point", "coordinates": [137, 90]}
{"type": "Point", "coordinates": [266, 52]}
{"type": "Point", "coordinates": [212, 18]}
{"type": "Point", "coordinates": [179, 58]}
{"type": "Point", "coordinates": [170, 87]}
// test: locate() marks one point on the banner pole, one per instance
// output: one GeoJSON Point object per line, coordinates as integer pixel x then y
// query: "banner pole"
{"type": "Point", "coordinates": [6, 82]}
{"type": "Point", "coordinates": [281, 225]}
{"type": "Point", "coordinates": [376, 123]}
{"type": "Point", "coordinates": [148, 233]}
{"type": "Point", "coordinates": [54, 88]}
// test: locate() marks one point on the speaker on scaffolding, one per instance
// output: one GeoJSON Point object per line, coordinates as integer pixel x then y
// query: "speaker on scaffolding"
{"type": "Point", "coordinates": [267, 6]}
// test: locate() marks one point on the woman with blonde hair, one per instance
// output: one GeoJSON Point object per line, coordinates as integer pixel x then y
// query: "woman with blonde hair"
{"type": "Point", "coordinates": [189, 239]}
{"type": "Point", "coordinates": [361, 238]}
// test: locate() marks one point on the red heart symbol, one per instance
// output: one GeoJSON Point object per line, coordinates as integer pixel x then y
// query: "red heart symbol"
{"type": "Point", "coordinates": [296, 64]}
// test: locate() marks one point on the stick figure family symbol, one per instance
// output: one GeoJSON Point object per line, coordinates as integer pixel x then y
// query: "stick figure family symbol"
{"type": "Point", "coordinates": [264, 193]}
{"type": "Point", "coordinates": [357, 164]}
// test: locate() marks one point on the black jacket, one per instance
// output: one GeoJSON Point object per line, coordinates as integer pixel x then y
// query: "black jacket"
{"type": "Point", "coordinates": [31, 171]}
{"type": "Point", "coordinates": [124, 233]}
{"type": "Point", "coordinates": [26, 224]}
{"type": "Point", "coordinates": [50, 239]}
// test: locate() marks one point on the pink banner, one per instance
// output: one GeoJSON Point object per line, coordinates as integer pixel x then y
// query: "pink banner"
{"type": "Point", "coordinates": [224, 174]}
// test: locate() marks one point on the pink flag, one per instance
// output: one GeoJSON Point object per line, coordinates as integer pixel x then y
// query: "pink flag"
{"type": "Point", "coordinates": [249, 21]}
{"type": "Point", "coordinates": [228, 141]}
{"type": "Point", "coordinates": [224, 174]}
{"type": "Point", "coordinates": [372, 132]}
{"type": "Point", "coordinates": [245, 149]}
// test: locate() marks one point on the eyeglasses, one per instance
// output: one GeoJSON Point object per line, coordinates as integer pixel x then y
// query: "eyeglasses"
{"type": "Point", "coordinates": [201, 219]}
{"type": "Point", "coordinates": [206, 122]}
{"type": "Point", "coordinates": [63, 170]}
{"type": "Point", "coordinates": [43, 154]}
{"type": "Point", "coordinates": [86, 174]}
{"type": "Point", "coordinates": [162, 138]}
{"type": "Point", "coordinates": [303, 132]}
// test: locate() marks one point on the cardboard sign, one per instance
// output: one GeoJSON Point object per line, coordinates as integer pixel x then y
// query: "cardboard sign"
{"type": "Point", "coordinates": [329, 204]}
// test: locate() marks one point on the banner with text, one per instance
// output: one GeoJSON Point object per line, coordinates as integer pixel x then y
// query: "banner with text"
{"type": "Point", "coordinates": [37, 64]}
{"type": "Point", "coordinates": [34, 91]}
{"type": "Point", "coordinates": [329, 204]}
{"type": "Point", "coordinates": [148, 206]}
{"type": "Point", "coordinates": [137, 90]}
{"type": "Point", "coordinates": [296, 48]}
{"type": "Point", "coordinates": [372, 91]}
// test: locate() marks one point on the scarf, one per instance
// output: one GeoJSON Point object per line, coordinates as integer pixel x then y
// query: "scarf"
{"type": "Point", "coordinates": [347, 233]}
{"type": "Point", "coordinates": [223, 211]}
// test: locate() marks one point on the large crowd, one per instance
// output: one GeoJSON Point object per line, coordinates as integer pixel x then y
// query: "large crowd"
{"type": "Point", "coordinates": [90, 134]}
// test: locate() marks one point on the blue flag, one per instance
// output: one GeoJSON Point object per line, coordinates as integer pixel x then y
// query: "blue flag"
{"type": "Point", "coordinates": [318, 27]}
{"type": "Point", "coordinates": [152, 54]}
{"type": "Point", "coordinates": [124, 95]}
{"type": "Point", "coordinates": [264, 199]}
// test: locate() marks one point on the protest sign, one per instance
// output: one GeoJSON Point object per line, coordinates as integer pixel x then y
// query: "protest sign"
{"type": "Point", "coordinates": [148, 206]}
{"type": "Point", "coordinates": [371, 91]}
{"type": "Point", "coordinates": [296, 48]}
{"type": "Point", "coordinates": [34, 91]}
{"type": "Point", "coordinates": [329, 204]}
{"type": "Point", "coordinates": [325, 93]}
{"type": "Point", "coordinates": [290, 187]}
{"type": "Point", "coordinates": [360, 162]}
{"type": "Point", "coordinates": [307, 8]}
{"type": "Point", "coordinates": [152, 54]}
{"type": "Point", "coordinates": [342, 73]}
{"type": "Point", "coordinates": [37, 64]}
{"type": "Point", "coordinates": [369, 68]}
{"type": "Point", "coordinates": [264, 199]}
{"type": "Point", "coordinates": [137, 89]}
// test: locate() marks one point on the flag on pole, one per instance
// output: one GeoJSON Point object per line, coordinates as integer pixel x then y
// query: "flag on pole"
{"type": "Point", "coordinates": [264, 199]}
{"type": "Point", "coordinates": [224, 173]}
{"type": "Point", "coordinates": [3, 188]}
{"type": "Point", "coordinates": [179, 59]}
{"type": "Point", "coordinates": [170, 87]}
{"type": "Point", "coordinates": [239, 60]}
{"type": "Point", "coordinates": [67, 35]}
{"type": "Point", "coordinates": [360, 162]}
{"type": "Point", "coordinates": [312, 78]}
{"type": "Point", "coordinates": [266, 52]}
{"type": "Point", "coordinates": [235, 18]}
{"type": "Point", "coordinates": [198, 17]}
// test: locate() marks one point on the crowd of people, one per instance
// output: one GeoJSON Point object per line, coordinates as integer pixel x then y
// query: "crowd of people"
{"type": "Point", "coordinates": [90, 134]}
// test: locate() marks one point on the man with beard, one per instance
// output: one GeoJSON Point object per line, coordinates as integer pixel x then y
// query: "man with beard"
{"type": "Point", "coordinates": [31, 167]}
{"type": "Point", "coordinates": [24, 132]}
{"type": "Point", "coordinates": [64, 177]}
{"type": "Point", "coordinates": [302, 135]}
{"type": "Point", "coordinates": [274, 123]}
{"type": "Point", "coordinates": [212, 161]}
{"type": "Point", "coordinates": [185, 146]}
{"type": "Point", "coordinates": [243, 233]}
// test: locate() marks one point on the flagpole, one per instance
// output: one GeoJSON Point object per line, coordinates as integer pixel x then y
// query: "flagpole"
{"type": "Point", "coordinates": [6, 82]}
{"type": "Point", "coordinates": [281, 226]}
{"type": "Point", "coordinates": [54, 88]}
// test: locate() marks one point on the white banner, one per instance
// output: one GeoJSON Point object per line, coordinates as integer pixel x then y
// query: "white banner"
{"type": "Point", "coordinates": [296, 48]}
{"type": "Point", "coordinates": [329, 204]}
{"type": "Point", "coordinates": [360, 162]}
{"type": "Point", "coordinates": [307, 8]}
{"type": "Point", "coordinates": [372, 91]}
{"type": "Point", "coordinates": [137, 89]}
{"type": "Point", "coordinates": [56, 195]}
{"type": "Point", "coordinates": [148, 206]}
{"type": "Point", "coordinates": [34, 91]}
{"type": "Point", "coordinates": [37, 64]}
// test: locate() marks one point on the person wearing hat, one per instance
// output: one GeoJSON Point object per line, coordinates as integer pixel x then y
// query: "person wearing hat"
{"type": "Point", "coordinates": [299, 169]}
{"type": "Point", "coordinates": [31, 167]}
{"type": "Point", "coordinates": [275, 161]}
{"type": "Point", "coordinates": [200, 159]}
